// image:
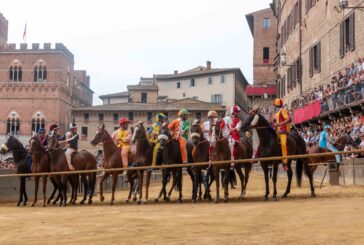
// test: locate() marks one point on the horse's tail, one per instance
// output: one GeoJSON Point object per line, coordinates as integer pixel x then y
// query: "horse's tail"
{"type": "Point", "coordinates": [299, 171]}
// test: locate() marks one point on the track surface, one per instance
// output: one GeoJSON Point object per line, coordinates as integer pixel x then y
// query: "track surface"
{"type": "Point", "coordinates": [336, 216]}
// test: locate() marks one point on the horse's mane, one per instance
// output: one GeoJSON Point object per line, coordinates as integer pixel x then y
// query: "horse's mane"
{"type": "Point", "coordinates": [17, 142]}
{"type": "Point", "coordinates": [108, 135]}
{"type": "Point", "coordinates": [266, 123]}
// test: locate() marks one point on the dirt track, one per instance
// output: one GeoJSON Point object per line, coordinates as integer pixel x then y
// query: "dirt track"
{"type": "Point", "coordinates": [336, 216]}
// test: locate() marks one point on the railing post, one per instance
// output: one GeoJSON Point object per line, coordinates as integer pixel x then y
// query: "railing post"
{"type": "Point", "coordinates": [354, 172]}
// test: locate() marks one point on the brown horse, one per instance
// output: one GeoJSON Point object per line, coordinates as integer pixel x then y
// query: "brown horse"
{"type": "Point", "coordinates": [21, 160]}
{"type": "Point", "coordinates": [221, 152]}
{"type": "Point", "coordinates": [143, 157]}
{"type": "Point", "coordinates": [40, 164]}
{"type": "Point", "coordinates": [112, 159]}
{"type": "Point", "coordinates": [244, 150]}
{"type": "Point", "coordinates": [343, 140]}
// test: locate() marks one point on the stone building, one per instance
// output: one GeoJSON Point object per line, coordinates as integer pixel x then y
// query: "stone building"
{"type": "Point", "coordinates": [263, 26]}
{"type": "Point", "coordinates": [38, 87]}
{"type": "Point", "coordinates": [316, 39]}
{"type": "Point", "coordinates": [3, 29]}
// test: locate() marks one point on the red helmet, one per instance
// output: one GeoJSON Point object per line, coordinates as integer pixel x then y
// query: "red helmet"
{"type": "Point", "coordinates": [235, 108]}
{"type": "Point", "coordinates": [53, 127]}
{"type": "Point", "coordinates": [278, 102]}
{"type": "Point", "coordinates": [123, 120]}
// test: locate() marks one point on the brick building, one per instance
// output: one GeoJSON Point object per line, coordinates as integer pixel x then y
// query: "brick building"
{"type": "Point", "coordinates": [38, 87]}
{"type": "Point", "coordinates": [318, 38]}
{"type": "Point", "coordinates": [263, 26]}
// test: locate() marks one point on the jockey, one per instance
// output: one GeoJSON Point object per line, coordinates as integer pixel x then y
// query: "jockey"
{"type": "Point", "coordinates": [234, 128]}
{"type": "Point", "coordinates": [180, 128]}
{"type": "Point", "coordinates": [212, 118]}
{"type": "Point", "coordinates": [283, 127]}
{"type": "Point", "coordinates": [42, 137]}
{"type": "Point", "coordinates": [53, 130]}
{"type": "Point", "coordinates": [326, 142]}
{"type": "Point", "coordinates": [71, 140]}
{"type": "Point", "coordinates": [122, 138]}
{"type": "Point", "coordinates": [155, 131]}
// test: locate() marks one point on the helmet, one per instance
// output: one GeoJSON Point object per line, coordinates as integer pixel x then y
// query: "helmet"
{"type": "Point", "coordinates": [182, 112]}
{"type": "Point", "coordinates": [123, 120]}
{"type": "Point", "coordinates": [327, 127]}
{"type": "Point", "coordinates": [235, 108]}
{"type": "Point", "coordinates": [73, 125]}
{"type": "Point", "coordinates": [53, 127]}
{"type": "Point", "coordinates": [212, 114]}
{"type": "Point", "coordinates": [160, 116]}
{"type": "Point", "coordinates": [41, 130]}
{"type": "Point", "coordinates": [278, 102]}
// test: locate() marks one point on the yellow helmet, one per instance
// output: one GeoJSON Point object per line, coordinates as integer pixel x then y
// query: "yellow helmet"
{"type": "Point", "coordinates": [160, 116]}
{"type": "Point", "coordinates": [212, 114]}
{"type": "Point", "coordinates": [278, 102]}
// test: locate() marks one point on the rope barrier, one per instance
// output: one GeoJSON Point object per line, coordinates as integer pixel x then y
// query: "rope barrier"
{"type": "Point", "coordinates": [180, 165]}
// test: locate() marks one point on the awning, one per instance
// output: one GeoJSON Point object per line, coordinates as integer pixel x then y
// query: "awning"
{"type": "Point", "coordinates": [306, 113]}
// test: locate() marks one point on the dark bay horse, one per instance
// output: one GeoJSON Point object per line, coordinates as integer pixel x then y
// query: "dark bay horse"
{"type": "Point", "coordinates": [112, 159]}
{"type": "Point", "coordinates": [171, 154]}
{"type": "Point", "coordinates": [269, 147]}
{"type": "Point", "coordinates": [20, 156]}
{"type": "Point", "coordinates": [41, 164]}
{"type": "Point", "coordinates": [343, 140]}
{"type": "Point", "coordinates": [143, 157]}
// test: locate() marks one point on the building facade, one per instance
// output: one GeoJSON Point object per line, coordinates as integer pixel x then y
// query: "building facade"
{"type": "Point", "coordinates": [220, 86]}
{"type": "Point", "coordinates": [38, 87]}
{"type": "Point", "coordinates": [319, 39]}
{"type": "Point", "coordinates": [3, 29]}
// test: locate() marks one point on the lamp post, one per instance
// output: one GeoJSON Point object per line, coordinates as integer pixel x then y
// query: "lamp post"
{"type": "Point", "coordinates": [344, 4]}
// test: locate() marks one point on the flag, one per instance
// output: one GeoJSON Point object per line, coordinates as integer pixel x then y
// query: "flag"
{"type": "Point", "coordinates": [25, 32]}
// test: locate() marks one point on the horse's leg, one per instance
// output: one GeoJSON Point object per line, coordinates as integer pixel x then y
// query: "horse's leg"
{"type": "Point", "coordinates": [140, 185]}
{"type": "Point", "coordinates": [179, 184]}
{"type": "Point", "coordinates": [91, 186]}
{"type": "Point", "coordinates": [195, 183]}
{"type": "Point", "coordinates": [24, 192]}
{"type": "Point", "coordinates": [289, 176]}
{"type": "Point", "coordinates": [104, 177]}
{"type": "Point", "coordinates": [85, 189]}
{"type": "Point", "coordinates": [191, 173]}
{"type": "Point", "coordinates": [266, 178]}
{"type": "Point", "coordinates": [57, 180]}
{"type": "Point", "coordinates": [147, 183]}
{"type": "Point", "coordinates": [44, 190]}
{"type": "Point", "coordinates": [248, 168]}
{"type": "Point", "coordinates": [217, 180]}
{"type": "Point", "coordinates": [226, 184]}
{"type": "Point", "coordinates": [242, 181]}
{"type": "Point", "coordinates": [174, 182]}
{"type": "Point", "coordinates": [54, 189]}
{"type": "Point", "coordinates": [20, 191]}
{"type": "Point", "coordinates": [161, 191]}
{"type": "Point", "coordinates": [164, 188]}
{"type": "Point", "coordinates": [310, 176]}
{"type": "Point", "coordinates": [64, 190]}
{"type": "Point", "coordinates": [129, 175]}
{"type": "Point", "coordinates": [36, 185]}
{"type": "Point", "coordinates": [74, 181]}
{"type": "Point", "coordinates": [275, 172]}
{"type": "Point", "coordinates": [114, 181]}
{"type": "Point", "coordinates": [204, 179]}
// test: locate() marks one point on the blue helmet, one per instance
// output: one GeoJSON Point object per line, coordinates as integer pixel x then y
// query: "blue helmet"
{"type": "Point", "coordinates": [327, 127]}
{"type": "Point", "coordinates": [41, 130]}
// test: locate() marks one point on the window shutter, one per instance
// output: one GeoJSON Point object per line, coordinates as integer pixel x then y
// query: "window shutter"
{"type": "Point", "coordinates": [212, 98]}
{"type": "Point", "coordinates": [310, 71]}
{"type": "Point", "coordinates": [221, 98]}
{"type": "Point", "coordinates": [318, 58]}
{"type": "Point", "coordinates": [352, 31]}
{"type": "Point", "coordinates": [342, 36]}
{"type": "Point", "coordinates": [306, 6]}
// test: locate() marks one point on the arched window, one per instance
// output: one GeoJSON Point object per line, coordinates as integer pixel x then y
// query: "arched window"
{"type": "Point", "coordinates": [15, 73]}
{"type": "Point", "coordinates": [38, 122]}
{"type": "Point", "coordinates": [13, 123]}
{"type": "Point", "coordinates": [40, 72]}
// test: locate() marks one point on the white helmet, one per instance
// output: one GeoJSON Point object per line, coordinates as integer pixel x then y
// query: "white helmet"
{"type": "Point", "coordinates": [73, 125]}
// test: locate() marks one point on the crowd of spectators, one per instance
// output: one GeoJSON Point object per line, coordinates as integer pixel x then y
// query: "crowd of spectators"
{"type": "Point", "coordinates": [345, 87]}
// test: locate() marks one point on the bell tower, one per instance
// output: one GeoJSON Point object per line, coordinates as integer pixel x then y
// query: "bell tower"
{"type": "Point", "coordinates": [3, 30]}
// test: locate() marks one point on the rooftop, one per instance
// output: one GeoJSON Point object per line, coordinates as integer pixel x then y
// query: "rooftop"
{"type": "Point", "coordinates": [115, 95]}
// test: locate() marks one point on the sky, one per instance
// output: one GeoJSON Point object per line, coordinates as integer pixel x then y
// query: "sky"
{"type": "Point", "coordinates": [118, 42]}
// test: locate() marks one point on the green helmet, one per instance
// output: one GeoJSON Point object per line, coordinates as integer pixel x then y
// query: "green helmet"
{"type": "Point", "coordinates": [183, 112]}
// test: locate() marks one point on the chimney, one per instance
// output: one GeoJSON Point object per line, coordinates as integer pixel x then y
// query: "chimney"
{"type": "Point", "coordinates": [208, 65]}
{"type": "Point", "coordinates": [175, 72]}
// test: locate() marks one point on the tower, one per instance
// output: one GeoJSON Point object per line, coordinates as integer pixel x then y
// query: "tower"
{"type": "Point", "coordinates": [3, 30]}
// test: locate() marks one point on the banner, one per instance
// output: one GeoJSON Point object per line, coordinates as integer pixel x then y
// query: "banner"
{"type": "Point", "coordinates": [308, 112]}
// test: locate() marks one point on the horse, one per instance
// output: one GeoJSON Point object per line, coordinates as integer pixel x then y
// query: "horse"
{"type": "Point", "coordinates": [171, 154]}
{"type": "Point", "coordinates": [269, 147]}
{"type": "Point", "coordinates": [343, 140]}
{"type": "Point", "coordinates": [221, 152]}
{"type": "Point", "coordinates": [20, 156]}
{"type": "Point", "coordinates": [199, 153]}
{"type": "Point", "coordinates": [41, 164]}
{"type": "Point", "coordinates": [112, 159]}
{"type": "Point", "coordinates": [143, 157]}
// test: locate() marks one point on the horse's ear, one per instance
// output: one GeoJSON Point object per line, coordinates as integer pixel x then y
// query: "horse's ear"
{"type": "Point", "coordinates": [102, 126]}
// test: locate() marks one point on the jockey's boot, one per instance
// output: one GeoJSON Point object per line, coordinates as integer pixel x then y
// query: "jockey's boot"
{"type": "Point", "coordinates": [71, 168]}
{"type": "Point", "coordinates": [285, 167]}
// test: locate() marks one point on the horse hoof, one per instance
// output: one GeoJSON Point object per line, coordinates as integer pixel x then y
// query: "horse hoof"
{"type": "Point", "coordinates": [126, 200]}
{"type": "Point", "coordinates": [44, 205]}
{"type": "Point", "coordinates": [82, 202]}
{"type": "Point", "coordinates": [24, 203]}
{"type": "Point", "coordinates": [111, 203]}
{"type": "Point", "coordinates": [156, 200]}
{"type": "Point", "coordinates": [216, 201]}
{"type": "Point", "coordinates": [135, 199]}
{"type": "Point", "coordinates": [54, 202]}
{"type": "Point", "coordinates": [89, 202]}
{"type": "Point", "coordinates": [241, 197]}
{"type": "Point", "coordinates": [194, 201]}
{"type": "Point", "coordinates": [166, 200]}
{"type": "Point", "coordinates": [18, 204]}
{"type": "Point", "coordinates": [285, 195]}
{"type": "Point", "coordinates": [313, 195]}
{"type": "Point", "coordinates": [64, 204]}
{"type": "Point", "coordinates": [33, 204]}
{"type": "Point", "coordinates": [226, 200]}
{"type": "Point", "coordinates": [274, 198]}
{"type": "Point", "coordinates": [180, 201]}
{"type": "Point", "coordinates": [265, 198]}
{"type": "Point", "coordinates": [49, 201]}
{"type": "Point", "coordinates": [102, 198]}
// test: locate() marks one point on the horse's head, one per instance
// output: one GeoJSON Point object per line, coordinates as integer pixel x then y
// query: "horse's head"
{"type": "Point", "coordinates": [100, 136]}
{"type": "Point", "coordinates": [34, 144]}
{"type": "Point", "coordinates": [254, 120]}
{"type": "Point", "coordinates": [164, 136]}
{"type": "Point", "coordinates": [139, 132]}
{"type": "Point", "coordinates": [345, 139]}
{"type": "Point", "coordinates": [196, 132]}
{"type": "Point", "coordinates": [12, 144]}
{"type": "Point", "coordinates": [216, 131]}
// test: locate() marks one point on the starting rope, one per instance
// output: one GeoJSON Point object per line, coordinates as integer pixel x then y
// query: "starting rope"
{"type": "Point", "coordinates": [199, 164]}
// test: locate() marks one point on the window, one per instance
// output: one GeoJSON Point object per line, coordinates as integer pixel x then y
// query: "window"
{"type": "Point", "coordinates": [37, 123]}
{"type": "Point", "coordinates": [144, 97]}
{"type": "Point", "coordinates": [178, 84]}
{"type": "Point", "coordinates": [166, 114]}
{"type": "Point", "coordinates": [84, 132]}
{"type": "Point", "coordinates": [116, 117]}
{"type": "Point", "coordinates": [347, 35]}
{"type": "Point", "coordinates": [131, 116]}
{"type": "Point", "coordinates": [266, 23]}
{"type": "Point", "coordinates": [310, 4]}
{"type": "Point", "coordinates": [192, 82]}
{"type": "Point", "coordinates": [198, 115]}
{"type": "Point", "coordinates": [216, 98]}
{"type": "Point", "coordinates": [101, 117]}
{"type": "Point", "coordinates": [13, 123]}
{"type": "Point", "coordinates": [222, 79]}
{"type": "Point", "coordinates": [315, 59]}
{"type": "Point", "coordinates": [86, 117]}
{"type": "Point", "coordinates": [40, 73]}
{"type": "Point", "coordinates": [149, 116]}
{"type": "Point", "coordinates": [210, 81]}
{"type": "Point", "coordinates": [195, 97]}
{"type": "Point", "coordinates": [265, 55]}
{"type": "Point", "coordinates": [184, 95]}
{"type": "Point", "coordinates": [15, 73]}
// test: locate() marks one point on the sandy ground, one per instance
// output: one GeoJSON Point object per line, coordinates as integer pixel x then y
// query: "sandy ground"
{"type": "Point", "coordinates": [336, 216]}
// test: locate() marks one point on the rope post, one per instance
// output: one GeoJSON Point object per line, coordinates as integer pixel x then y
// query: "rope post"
{"type": "Point", "coordinates": [354, 172]}
{"type": "Point", "coordinates": [333, 173]}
